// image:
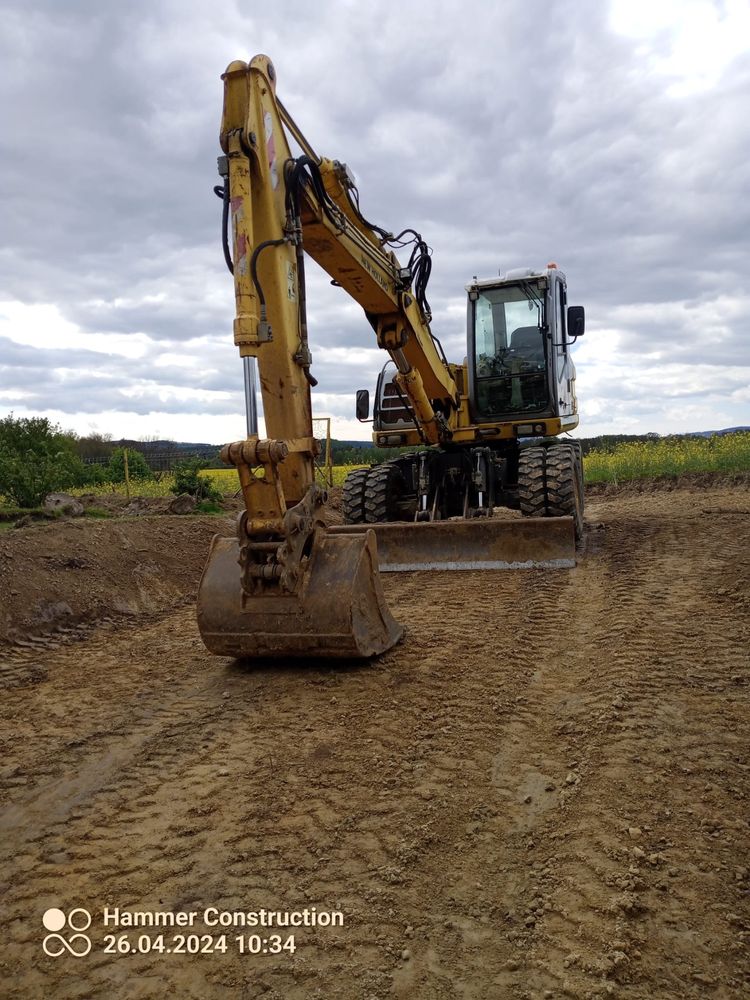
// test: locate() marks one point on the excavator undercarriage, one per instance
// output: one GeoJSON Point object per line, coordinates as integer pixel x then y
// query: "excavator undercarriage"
{"type": "Point", "coordinates": [445, 508]}
{"type": "Point", "coordinates": [541, 480]}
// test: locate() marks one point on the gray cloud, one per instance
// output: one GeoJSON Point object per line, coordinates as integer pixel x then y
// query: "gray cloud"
{"type": "Point", "coordinates": [507, 139]}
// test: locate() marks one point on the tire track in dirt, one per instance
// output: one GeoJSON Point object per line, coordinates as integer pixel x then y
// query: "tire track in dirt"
{"type": "Point", "coordinates": [594, 868]}
{"type": "Point", "coordinates": [465, 800]}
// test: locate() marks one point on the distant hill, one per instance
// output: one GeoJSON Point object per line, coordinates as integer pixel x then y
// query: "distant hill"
{"type": "Point", "coordinates": [162, 454]}
{"type": "Point", "coordinates": [727, 430]}
{"type": "Point", "coordinates": [192, 447]}
{"type": "Point", "coordinates": [199, 447]}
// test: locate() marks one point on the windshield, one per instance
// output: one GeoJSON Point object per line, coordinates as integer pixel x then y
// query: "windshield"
{"type": "Point", "coordinates": [509, 356]}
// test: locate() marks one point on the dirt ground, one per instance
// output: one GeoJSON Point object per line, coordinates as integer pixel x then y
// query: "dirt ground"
{"type": "Point", "coordinates": [542, 792]}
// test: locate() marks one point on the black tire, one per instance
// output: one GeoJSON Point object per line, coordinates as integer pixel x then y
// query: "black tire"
{"type": "Point", "coordinates": [532, 485]}
{"type": "Point", "coordinates": [564, 475]}
{"type": "Point", "coordinates": [353, 496]}
{"type": "Point", "coordinates": [384, 490]}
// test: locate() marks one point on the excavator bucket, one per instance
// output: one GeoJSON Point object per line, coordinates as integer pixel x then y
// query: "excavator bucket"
{"type": "Point", "coordinates": [522, 543]}
{"type": "Point", "coordinates": [338, 611]}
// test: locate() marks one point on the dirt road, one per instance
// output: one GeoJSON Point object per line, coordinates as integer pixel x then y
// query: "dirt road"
{"type": "Point", "coordinates": [542, 793]}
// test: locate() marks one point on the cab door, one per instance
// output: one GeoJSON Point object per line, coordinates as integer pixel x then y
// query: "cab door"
{"type": "Point", "coordinates": [564, 369]}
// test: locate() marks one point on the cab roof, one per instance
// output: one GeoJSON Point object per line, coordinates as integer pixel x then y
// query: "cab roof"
{"type": "Point", "coordinates": [518, 274]}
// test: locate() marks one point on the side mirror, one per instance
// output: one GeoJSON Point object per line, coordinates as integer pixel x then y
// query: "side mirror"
{"type": "Point", "coordinates": [363, 404]}
{"type": "Point", "coordinates": [576, 322]}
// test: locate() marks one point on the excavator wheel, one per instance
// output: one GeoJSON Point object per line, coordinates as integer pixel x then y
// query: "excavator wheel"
{"type": "Point", "coordinates": [383, 492]}
{"type": "Point", "coordinates": [564, 484]}
{"type": "Point", "coordinates": [532, 492]}
{"type": "Point", "coordinates": [353, 496]}
{"type": "Point", "coordinates": [541, 540]}
{"type": "Point", "coordinates": [550, 483]}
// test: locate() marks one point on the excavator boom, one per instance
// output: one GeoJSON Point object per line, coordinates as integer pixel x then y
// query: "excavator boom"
{"type": "Point", "coordinates": [283, 587]}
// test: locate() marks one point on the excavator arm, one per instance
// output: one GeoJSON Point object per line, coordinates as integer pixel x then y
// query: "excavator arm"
{"type": "Point", "coordinates": [282, 207]}
{"type": "Point", "coordinates": [300, 590]}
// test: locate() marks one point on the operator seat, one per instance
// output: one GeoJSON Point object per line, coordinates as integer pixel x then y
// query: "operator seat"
{"type": "Point", "coordinates": [527, 343]}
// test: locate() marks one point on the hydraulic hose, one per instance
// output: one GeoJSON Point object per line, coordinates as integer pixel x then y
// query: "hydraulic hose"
{"type": "Point", "coordinates": [223, 193]}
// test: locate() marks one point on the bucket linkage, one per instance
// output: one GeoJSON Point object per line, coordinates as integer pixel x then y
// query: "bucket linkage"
{"type": "Point", "coordinates": [285, 586]}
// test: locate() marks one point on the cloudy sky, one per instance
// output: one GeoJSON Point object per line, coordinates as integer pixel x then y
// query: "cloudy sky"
{"type": "Point", "coordinates": [611, 137]}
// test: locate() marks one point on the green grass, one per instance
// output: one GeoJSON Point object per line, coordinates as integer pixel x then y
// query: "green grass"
{"type": "Point", "coordinates": [208, 507]}
{"type": "Point", "coordinates": [666, 456]}
{"type": "Point", "coordinates": [226, 479]}
{"type": "Point", "coordinates": [10, 512]}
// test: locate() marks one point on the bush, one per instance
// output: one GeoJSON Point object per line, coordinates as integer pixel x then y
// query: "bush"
{"type": "Point", "coordinates": [96, 475]}
{"type": "Point", "coordinates": [137, 466]}
{"type": "Point", "coordinates": [187, 480]}
{"type": "Point", "coordinates": [36, 458]}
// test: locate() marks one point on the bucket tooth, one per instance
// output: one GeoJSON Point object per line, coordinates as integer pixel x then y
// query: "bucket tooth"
{"type": "Point", "coordinates": [338, 611]}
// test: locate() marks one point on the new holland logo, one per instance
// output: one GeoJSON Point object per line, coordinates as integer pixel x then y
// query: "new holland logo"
{"type": "Point", "coordinates": [75, 942]}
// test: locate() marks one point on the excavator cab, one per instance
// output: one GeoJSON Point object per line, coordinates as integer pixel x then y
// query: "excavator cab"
{"type": "Point", "coordinates": [519, 362]}
{"type": "Point", "coordinates": [519, 370]}
{"type": "Point", "coordinates": [518, 381]}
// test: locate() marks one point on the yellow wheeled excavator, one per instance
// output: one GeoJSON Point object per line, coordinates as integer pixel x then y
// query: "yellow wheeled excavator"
{"type": "Point", "coordinates": [484, 433]}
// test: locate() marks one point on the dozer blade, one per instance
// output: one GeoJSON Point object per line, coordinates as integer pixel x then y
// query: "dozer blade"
{"type": "Point", "coordinates": [339, 611]}
{"type": "Point", "coordinates": [486, 543]}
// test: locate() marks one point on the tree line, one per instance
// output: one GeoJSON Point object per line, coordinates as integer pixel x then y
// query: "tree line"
{"type": "Point", "coordinates": [363, 453]}
{"type": "Point", "coordinates": [38, 458]}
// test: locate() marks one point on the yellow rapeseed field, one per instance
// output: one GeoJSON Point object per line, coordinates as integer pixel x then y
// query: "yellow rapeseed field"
{"type": "Point", "coordinates": [626, 461]}
{"type": "Point", "coordinates": [226, 479]}
{"type": "Point", "coordinates": [629, 460]}
{"type": "Point", "coordinates": [669, 456]}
